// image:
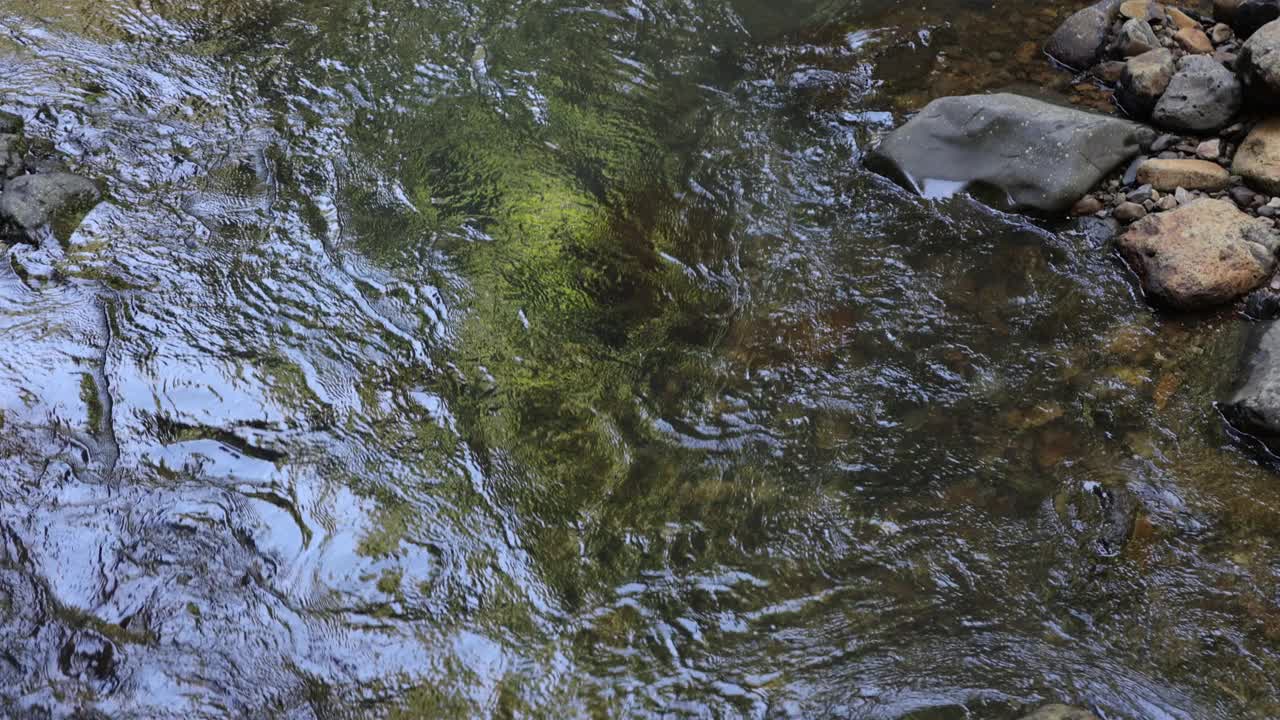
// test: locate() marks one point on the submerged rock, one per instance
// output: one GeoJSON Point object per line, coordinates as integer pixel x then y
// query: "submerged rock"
{"type": "Point", "coordinates": [1201, 255]}
{"type": "Point", "coordinates": [1169, 175]}
{"type": "Point", "coordinates": [34, 200]}
{"type": "Point", "coordinates": [1203, 95]}
{"type": "Point", "coordinates": [1257, 159]}
{"type": "Point", "coordinates": [1034, 154]}
{"type": "Point", "coordinates": [1144, 80]}
{"type": "Point", "coordinates": [1254, 407]}
{"type": "Point", "coordinates": [11, 163]}
{"type": "Point", "coordinates": [1080, 40]}
{"type": "Point", "coordinates": [1259, 62]}
{"type": "Point", "coordinates": [1060, 712]}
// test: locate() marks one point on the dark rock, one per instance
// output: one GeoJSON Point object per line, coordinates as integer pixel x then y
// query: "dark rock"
{"type": "Point", "coordinates": [1242, 196]}
{"type": "Point", "coordinates": [1097, 232]}
{"type": "Point", "coordinates": [1141, 195]}
{"type": "Point", "coordinates": [11, 124]}
{"type": "Point", "coordinates": [34, 200]}
{"type": "Point", "coordinates": [1143, 81]}
{"type": "Point", "coordinates": [1262, 304]}
{"type": "Point", "coordinates": [1136, 37]}
{"type": "Point", "coordinates": [1164, 142]}
{"type": "Point", "coordinates": [1250, 15]}
{"type": "Point", "coordinates": [1034, 154]}
{"type": "Point", "coordinates": [1079, 41]}
{"type": "Point", "coordinates": [1259, 63]}
{"type": "Point", "coordinates": [1224, 11]}
{"type": "Point", "coordinates": [1254, 406]}
{"type": "Point", "coordinates": [11, 163]}
{"type": "Point", "coordinates": [1202, 96]}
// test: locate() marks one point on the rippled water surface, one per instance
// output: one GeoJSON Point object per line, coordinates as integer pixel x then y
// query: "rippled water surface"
{"type": "Point", "coordinates": [556, 358]}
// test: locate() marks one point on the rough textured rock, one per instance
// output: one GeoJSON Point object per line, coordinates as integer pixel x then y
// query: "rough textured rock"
{"type": "Point", "coordinates": [1202, 96]}
{"type": "Point", "coordinates": [1144, 80]}
{"type": "Point", "coordinates": [1136, 37]}
{"type": "Point", "coordinates": [1201, 255]}
{"type": "Point", "coordinates": [33, 200]}
{"type": "Point", "coordinates": [1060, 712]}
{"type": "Point", "coordinates": [11, 124]}
{"type": "Point", "coordinates": [1259, 62]}
{"type": "Point", "coordinates": [1254, 406]}
{"type": "Point", "coordinates": [1109, 71]}
{"type": "Point", "coordinates": [1169, 175]}
{"type": "Point", "coordinates": [1139, 10]}
{"type": "Point", "coordinates": [1079, 41]}
{"type": "Point", "coordinates": [1258, 157]}
{"type": "Point", "coordinates": [1193, 40]}
{"type": "Point", "coordinates": [1038, 155]}
{"type": "Point", "coordinates": [1221, 33]}
{"type": "Point", "coordinates": [1250, 15]}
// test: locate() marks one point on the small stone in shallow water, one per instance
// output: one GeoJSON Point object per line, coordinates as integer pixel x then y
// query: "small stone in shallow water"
{"type": "Point", "coordinates": [1193, 40]}
{"type": "Point", "coordinates": [33, 200]}
{"type": "Point", "coordinates": [10, 124]}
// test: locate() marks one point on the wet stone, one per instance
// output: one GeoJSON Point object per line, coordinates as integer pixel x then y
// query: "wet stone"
{"type": "Point", "coordinates": [11, 162]}
{"type": "Point", "coordinates": [32, 201]}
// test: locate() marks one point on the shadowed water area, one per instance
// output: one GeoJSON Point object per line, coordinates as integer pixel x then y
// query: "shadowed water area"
{"type": "Point", "coordinates": [479, 358]}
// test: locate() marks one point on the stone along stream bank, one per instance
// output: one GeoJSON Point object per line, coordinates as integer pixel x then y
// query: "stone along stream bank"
{"type": "Point", "coordinates": [1182, 179]}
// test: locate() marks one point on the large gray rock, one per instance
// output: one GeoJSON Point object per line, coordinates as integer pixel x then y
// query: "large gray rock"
{"type": "Point", "coordinates": [1254, 407]}
{"type": "Point", "coordinates": [1202, 96]}
{"type": "Point", "coordinates": [1259, 62]}
{"type": "Point", "coordinates": [1078, 43]}
{"type": "Point", "coordinates": [34, 200]}
{"type": "Point", "coordinates": [1034, 154]}
{"type": "Point", "coordinates": [1144, 80]}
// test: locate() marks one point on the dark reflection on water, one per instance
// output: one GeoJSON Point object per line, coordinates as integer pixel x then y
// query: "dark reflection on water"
{"type": "Point", "coordinates": [439, 359]}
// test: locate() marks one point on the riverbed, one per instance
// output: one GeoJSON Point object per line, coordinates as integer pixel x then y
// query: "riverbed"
{"type": "Point", "coordinates": [559, 359]}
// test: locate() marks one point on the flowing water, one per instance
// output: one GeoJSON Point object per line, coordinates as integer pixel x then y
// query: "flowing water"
{"type": "Point", "coordinates": [556, 358]}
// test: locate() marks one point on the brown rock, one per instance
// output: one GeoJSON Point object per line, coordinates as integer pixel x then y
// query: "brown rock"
{"type": "Point", "coordinates": [1109, 71]}
{"type": "Point", "coordinates": [1194, 41]}
{"type": "Point", "coordinates": [1202, 255]}
{"type": "Point", "coordinates": [1087, 205]}
{"type": "Point", "coordinates": [1139, 10]}
{"type": "Point", "coordinates": [1127, 212]}
{"type": "Point", "coordinates": [1181, 20]}
{"type": "Point", "coordinates": [1167, 175]}
{"type": "Point", "coordinates": [1258, 157]}
{"type": "Point", "coordinates": [1144, 80]}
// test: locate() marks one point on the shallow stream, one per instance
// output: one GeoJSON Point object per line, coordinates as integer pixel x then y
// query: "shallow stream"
{"type": "Point", "coordinates": [557, 358]}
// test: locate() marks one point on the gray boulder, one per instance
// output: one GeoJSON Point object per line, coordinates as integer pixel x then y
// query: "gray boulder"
{"type": "Point", "coordinates": [11, 124]}
{"type": "Point", "coordinates": [1254, 407]}
{"type": "Point", "coordinates": [1080, 40]}
{"type": "Point", "coordinates": [1259, 62]}
{"type": "Point", "coordinates": [1144, 80]}
{"type": "Point", "coordinates": [34, 200]}
{"type": "Point", "coordinates": [1032, 154]}
{"type": "Point", "coordinates": [1202, 96]}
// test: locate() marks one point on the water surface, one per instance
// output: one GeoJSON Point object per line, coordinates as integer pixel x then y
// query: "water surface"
{"type": "Point", "coordinates": [478, 358]}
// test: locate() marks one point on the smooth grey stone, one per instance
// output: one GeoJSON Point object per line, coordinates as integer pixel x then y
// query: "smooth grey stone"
{"type": "Point", "coordinates": [1032, 154]}
{"type": "Point", "coordinates": [1254, 406]}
